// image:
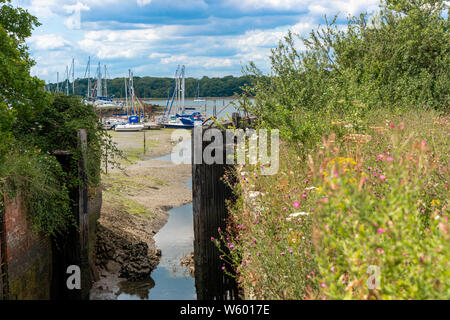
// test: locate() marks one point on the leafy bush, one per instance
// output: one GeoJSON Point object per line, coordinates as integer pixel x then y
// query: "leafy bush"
{"type": "Point", "coordinates": [39, 181]}
{"type": "Point", "coordinates": [363, 177]}
{"type": "Point", "coordinates": [394, 60]}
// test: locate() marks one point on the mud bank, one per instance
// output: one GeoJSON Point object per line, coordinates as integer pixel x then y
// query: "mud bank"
{"type": "Point", "coordinates": [135, 207]}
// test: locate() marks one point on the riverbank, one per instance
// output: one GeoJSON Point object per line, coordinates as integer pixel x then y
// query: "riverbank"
{"type": "Point", "coordinates": [136, 202]}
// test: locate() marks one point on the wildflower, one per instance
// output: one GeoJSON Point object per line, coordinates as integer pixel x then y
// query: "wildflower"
{"type": "Point", "coordinates": [390, 159]}
{"type": "Point", "coordinates": [296, 214]}
{"type": "Point", "coordinates": [332, 269]}
{"type": "Point", "coordinates": [223, 267]}
{"type": "Point", "coordinates": [282, 253]}
{"type": "Point", "coordinates": [379, 250]}
{"type": "Point", "coordinates": [296, 204]}
{"type": "Point", "coordinates": [380, 157]}
{"type": "Point", "coordinates": [256, 176]}
{"type": "Point", "coordinates": [382, 177]}
{"type": "Point", "coordinates": [212, 238]}
{"type": "Point", "coordinates": [290, 250]}
{"type": "Point", "coordinates": [303, 195]}
{"type": "Point", "coordinates": [381, 230]}
{"type": "Point", "coordinates": [323, 285]}
{"type": "Point", "coordinates": [435, 202]}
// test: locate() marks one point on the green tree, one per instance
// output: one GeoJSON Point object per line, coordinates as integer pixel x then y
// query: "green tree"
{"type": "Point", "coordinates": [21, 95]}
{"type": "Point", "coordinates": [398, 58]}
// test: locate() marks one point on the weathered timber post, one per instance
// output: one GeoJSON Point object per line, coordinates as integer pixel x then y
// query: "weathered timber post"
{"type": "Point", "coordinates": [83, 213]}
{"type": "Point", "coordinates": [210, 213]}
{"type": "Point", "coordinates": [236, 117]}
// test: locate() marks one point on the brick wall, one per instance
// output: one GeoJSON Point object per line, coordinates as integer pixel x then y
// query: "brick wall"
{"type": "Point", "coordinates": [28, 255]}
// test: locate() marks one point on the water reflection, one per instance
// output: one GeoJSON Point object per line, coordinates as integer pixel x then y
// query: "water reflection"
{"type": "Point", "coordinates": [169, 280]}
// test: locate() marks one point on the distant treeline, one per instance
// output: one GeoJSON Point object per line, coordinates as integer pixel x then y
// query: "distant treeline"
{"type": "Point", "coordinates": [151, 87]}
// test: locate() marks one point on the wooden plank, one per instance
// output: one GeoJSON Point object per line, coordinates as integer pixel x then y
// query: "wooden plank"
{"type": "Point", "coordinates": [210, 213]}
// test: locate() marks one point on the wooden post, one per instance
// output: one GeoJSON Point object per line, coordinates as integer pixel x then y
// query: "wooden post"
{"type": "Point", "coordinates": [210, 213]}
{"type": "Point", "coordinates": [236, 117]}
{"type": "Point", "coordinates": [83, 199]}
{"type": "Point", "coordinates": [144, 143]}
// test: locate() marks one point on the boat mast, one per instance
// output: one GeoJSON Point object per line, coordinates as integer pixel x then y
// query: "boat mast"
{"type": "Point", "coordinates": [99, 81]}
{"type": "Point", "coordinates": [106, 86]}
{"type": "Point", "coordinates": [67, 80]}
{"type": "Point", "coordinates": [73, 76]}
{"type": "Point", "coordinates": [126, 93]}
{"type": "Point", "coordinates": [88, 72]}
{"type": "Point", "coordinates": [182, 89]}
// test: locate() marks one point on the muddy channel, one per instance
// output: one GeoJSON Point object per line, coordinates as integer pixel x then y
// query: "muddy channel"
{"type": "Point", "coordinates": [145, 238]}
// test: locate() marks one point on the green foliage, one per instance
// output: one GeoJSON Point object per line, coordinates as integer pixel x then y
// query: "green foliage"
{"type": "Point", "coordinates": [55, 128]}
{"type": "Point", "coordinates": [39, 181]}
{"type": "Point", "coordinates": [34, 124]}
{"type": "Point", "coordinates": [396, 59]}
{"type": "Point", "coordinates": [363, 177]}
{"type": "Point", "coordinates": [21, 95]}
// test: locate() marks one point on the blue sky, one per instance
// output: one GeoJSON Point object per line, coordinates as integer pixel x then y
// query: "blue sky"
{"type": "Point", "coordinates": [151, 37]}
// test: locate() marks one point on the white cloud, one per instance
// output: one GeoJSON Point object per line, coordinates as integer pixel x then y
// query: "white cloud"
{"type": "Point", "coordinates": [48, 42]}
{"type": "Point", "coordinates": [109, 44]}
{"type": "Point", "coordinates": [192, 61]}
{"type": "Point", "coordinates": [318, 7]}
{"type": "Point", "coordinates": [142, 3]}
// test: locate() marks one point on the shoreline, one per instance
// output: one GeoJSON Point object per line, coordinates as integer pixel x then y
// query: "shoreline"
{"type": "Point", "coordinates": [135, 207]}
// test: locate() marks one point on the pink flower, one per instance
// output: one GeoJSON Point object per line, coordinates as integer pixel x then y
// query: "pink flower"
{"type": "Point", "coordinates": [212, 238]}
{"type": "Point", "coordinates": [390, 159]}
{"type": "Point", "coordinates": [323, 285]}
{"type": "Point", "coordinates": [282, 253]}
{"type": "Point", "coordinates": [379, 250]}
{"type": "Point", "coordinates": [296, 204]}
{"type": "Point", "coordinates": [332, 268]}
{"type": "Point", "coordinates": [380, 156]}
{"type": "Point", "coordinates": [381, 230]}
{"type": "Point", "coordinates": [223, 267]}
{"type": "Point", "coordinates": [382, 177]}
{"type": "Point", "coordinates": [256, 176]}
{"type": "Point", "coordinates": [290, 250]}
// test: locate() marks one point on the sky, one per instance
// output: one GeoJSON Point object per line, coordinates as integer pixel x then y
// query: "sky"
{"type": "Point", "coordinates": [151, 37]}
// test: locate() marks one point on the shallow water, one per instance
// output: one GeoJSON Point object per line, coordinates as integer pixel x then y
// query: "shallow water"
{"type": "Point", "coordinates": [170, 280]}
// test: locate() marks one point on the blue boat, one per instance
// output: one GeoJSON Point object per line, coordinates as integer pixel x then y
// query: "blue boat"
{"type": "Point", "coordinates": [185, 117]}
